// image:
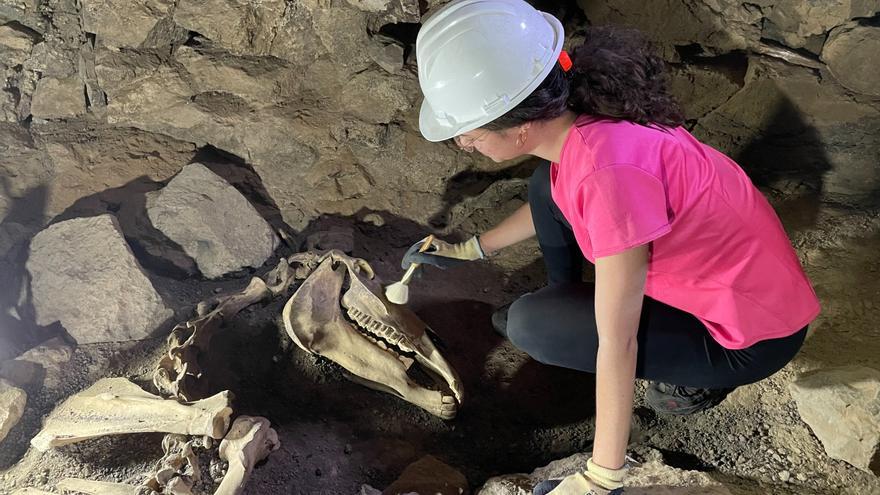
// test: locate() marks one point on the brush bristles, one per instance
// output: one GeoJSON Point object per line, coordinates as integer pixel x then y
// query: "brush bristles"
{"type": "Point", "coordinates": [397, 293]}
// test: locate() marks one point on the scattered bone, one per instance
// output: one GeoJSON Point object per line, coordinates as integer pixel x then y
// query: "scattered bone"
{"type": "Point", "coordinates": [179, 469]}
{"type": "Point", "coordinates": [115, 406]}
{"type": "Point", "coordinates": [179, 373]}
{"type": "Point", "coordinates": [315, 320]}
{"type": "Point", "coordinates": [249, 441]}
{"type": "Point", "coordinates": [96, 487]}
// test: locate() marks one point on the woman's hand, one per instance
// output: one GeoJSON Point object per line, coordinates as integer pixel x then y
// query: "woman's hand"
{"type": "Point", "coordinates": [443, 254]}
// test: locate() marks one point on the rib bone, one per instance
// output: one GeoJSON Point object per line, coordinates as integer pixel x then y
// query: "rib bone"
{"type": "Point", "coordinates": [116, 406]}
{"type": "Point", "coordinates": [249, 441]}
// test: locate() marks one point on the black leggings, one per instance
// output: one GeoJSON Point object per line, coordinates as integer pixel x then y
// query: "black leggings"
{"type": "Point", "coordinates": [557, 324]}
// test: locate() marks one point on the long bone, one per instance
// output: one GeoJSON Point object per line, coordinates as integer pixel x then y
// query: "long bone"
{"type": "Point", "coordinates": [249, 441]}
{"type": "Point", "coordinates": [114, 406]}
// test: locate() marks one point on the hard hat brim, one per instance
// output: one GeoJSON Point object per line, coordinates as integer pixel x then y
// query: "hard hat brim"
{"type": "Point", "coordinates": [430, 126]}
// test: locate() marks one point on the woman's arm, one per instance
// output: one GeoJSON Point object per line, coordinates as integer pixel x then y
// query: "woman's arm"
{"type": "Point", "coordinates": [515, 228]}
{"type": "Point", "coordinates": [620, 288]}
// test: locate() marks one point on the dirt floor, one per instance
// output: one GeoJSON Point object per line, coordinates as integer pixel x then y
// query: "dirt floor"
{"type": "Point", "coordinates": [517, 415]}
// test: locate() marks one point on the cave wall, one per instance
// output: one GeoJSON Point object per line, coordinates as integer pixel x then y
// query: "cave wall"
{"type": "Point", "coordinates": [320, 99]}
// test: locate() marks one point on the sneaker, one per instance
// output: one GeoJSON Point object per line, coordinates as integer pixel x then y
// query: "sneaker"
{"type": "Point", "coordinates": [547, 486]}
{"type": "Point", "coordinates": [499, 319]}
{"type": "Point", "coordinates": [674, 399]}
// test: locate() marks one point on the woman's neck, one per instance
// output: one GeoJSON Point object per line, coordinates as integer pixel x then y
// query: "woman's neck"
{"type": "Point", "coordinates": [550, 136]}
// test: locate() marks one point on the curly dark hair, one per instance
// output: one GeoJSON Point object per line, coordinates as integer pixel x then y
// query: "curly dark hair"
{"type": "Point", "coordinates": [616, 73]}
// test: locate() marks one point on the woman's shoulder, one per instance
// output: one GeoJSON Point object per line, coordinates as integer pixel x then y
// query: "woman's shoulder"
{"type": "Point", "coordinates": [608, 141]}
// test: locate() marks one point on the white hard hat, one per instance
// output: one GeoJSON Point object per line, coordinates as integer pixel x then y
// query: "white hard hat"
{"type": "Point", "coordinates": [478, 59]}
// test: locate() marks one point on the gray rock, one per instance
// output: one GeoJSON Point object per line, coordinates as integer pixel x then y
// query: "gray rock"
{"type": "Point", "coordinates": [58, 98]}
{"type": "Point", "coordinates": [84, 275]}
{"type": "Point", "coordinates": [241, 27]}
{"type": "Point", "coordinates": [123, 23]}
{"type": "Point", "coordinates": [15, 46]}
{"type": "Point", "coordinates": [12, 402]}
{"type": "Point", "coordinates": [389, 56]}
{"type": "Point", "coordinates": [795, 22]}
{"type": "Point", "coordinates": [43, 362]}
{"type": "Point", "coordinates": [842, 407]}
{"type": "Point", "coordinates": [851, 54]}
{"type": "Point", "coordinates": [650, 478]}
{"type": "Point", "coordinates": [213, 223]}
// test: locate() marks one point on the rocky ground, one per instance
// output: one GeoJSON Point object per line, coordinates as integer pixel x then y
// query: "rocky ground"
{"type": "Point", "coordinates": [308, 110]}
{"type": "Point", "coordinates": [518, 415]}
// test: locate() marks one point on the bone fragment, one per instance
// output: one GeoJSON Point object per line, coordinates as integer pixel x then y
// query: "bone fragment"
{"type": "Point", "coordinates": [179, 469]}
{"type": "Point", "coordinates": [249, 441]}
{"type": "Point", "coordinates": [116, 406]}
{"type": "Point", "coordinates": [77, 485]}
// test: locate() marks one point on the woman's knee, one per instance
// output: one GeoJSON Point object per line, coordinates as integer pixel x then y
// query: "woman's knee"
{"type": "Point", "coordinates": [521, 329]}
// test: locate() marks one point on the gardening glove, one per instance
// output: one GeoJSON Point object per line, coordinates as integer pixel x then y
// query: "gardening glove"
{"type": "Point", "coordinates": [596, 480]}
{"type": "Point", "coordinates": [443, 254]}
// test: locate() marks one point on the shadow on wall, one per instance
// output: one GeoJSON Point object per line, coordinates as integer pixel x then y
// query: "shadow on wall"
{"type": "Point", "coordinates": [18, 330]}
{"type": "Point", "coordinates": [788, 162]}
{"type": "Point", "coordinates": [471, 184]}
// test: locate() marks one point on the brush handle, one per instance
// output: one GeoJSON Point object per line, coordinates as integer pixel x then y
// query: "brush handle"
{"type": "Point", "coordinates": [412, 266]}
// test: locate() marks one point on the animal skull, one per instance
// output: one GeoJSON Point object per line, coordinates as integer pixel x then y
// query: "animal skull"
{"type": "Point", "coordinates": [340, 312]}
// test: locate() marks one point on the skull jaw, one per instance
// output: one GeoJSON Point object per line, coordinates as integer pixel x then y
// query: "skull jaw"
{"type": "Point", "coordinates": [313, 318]}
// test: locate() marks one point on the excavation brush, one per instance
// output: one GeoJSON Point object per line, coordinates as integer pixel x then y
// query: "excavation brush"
{"type": "Point", "coordinates": [398, 292]}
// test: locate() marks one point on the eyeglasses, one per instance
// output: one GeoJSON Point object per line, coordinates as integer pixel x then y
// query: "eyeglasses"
{"type": "Point", "coordinates": [469, 145]}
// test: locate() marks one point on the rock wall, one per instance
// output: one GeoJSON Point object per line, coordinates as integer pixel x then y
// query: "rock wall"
{"type": "Point", "coordinates": [320, 99]}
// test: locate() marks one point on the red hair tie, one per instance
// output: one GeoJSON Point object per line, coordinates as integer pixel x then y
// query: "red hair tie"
{"type": "Point", "coordinates": [564, 61]}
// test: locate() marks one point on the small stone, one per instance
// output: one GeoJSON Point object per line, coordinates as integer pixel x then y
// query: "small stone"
{"type": "Point", "coordinates": [374, 219]}
{"type": "Point", "coordinates": [784, 476]}
{"type": "Point", "coordinates": [347, 449]}
{"type": "Point", "coordinates": [801, 477]}
{"type": "Point", "coordinates": [218, 290]}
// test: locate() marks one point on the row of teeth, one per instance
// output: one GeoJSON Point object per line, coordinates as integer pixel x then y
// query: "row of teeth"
{"type": "Point", "coordinates": [383, 331]}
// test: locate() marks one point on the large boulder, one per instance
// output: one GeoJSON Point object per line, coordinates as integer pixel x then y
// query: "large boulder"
{"type": "Point", "coordinates": [851, 53]}
{"type": "Point", "coordinates": [213, 222]}
{"type": "Point", "coordinates": [84, 275]}
{"type": "Point", "coordinates": [842, 407]}
{"type": "Point", "coordinates": [649, 478]}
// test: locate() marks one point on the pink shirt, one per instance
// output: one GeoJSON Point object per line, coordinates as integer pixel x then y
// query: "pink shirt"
{"type": "Point", "coordinates": [718, 249]}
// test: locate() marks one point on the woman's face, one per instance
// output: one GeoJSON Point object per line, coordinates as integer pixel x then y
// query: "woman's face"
{"type": "Point", "coordinates": [498, 145]}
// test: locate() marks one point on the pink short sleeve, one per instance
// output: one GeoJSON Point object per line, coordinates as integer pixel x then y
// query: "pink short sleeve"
{"type": "Point", "coordinates": [623, 206]}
